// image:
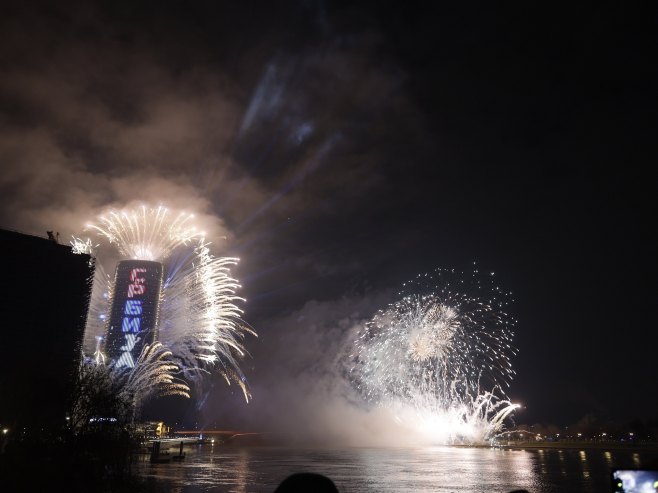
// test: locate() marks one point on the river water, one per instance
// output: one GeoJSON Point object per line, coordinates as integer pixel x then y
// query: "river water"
{"type": "Point", "coordinates": [209, 468]}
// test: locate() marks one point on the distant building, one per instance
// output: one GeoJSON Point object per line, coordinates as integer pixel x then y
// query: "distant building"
{"type": "Point", "coordinates": [152, 429]}
{"type": "Point", "coordinates": [44, 297]}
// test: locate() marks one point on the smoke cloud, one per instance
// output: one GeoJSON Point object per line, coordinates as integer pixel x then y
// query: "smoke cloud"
{"type": "Point", "coordinates": [100, 112]}
{"type": "Point", "coordinates": [300, 383]}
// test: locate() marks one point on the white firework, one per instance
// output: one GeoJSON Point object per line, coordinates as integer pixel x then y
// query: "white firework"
{"type": "Point", "coordinates": [200, 322]}
{"type": "Point", "coordinates": [439, 359]}
{"type": "Point", "coordinates": [154, 374]}
{"type": "Point", "coordinates": [146, 233]}
{"type": "Point", "coordinates": [113, 392]}
{"type": "Point", "coordinates": [101, 293]}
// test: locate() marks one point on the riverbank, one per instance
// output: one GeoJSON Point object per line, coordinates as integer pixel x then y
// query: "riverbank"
{"type": "Point", "coordinates": [579, 445]}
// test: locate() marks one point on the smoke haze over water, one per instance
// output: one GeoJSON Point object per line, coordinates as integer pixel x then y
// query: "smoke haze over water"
{"type": "Point", "coordinates": [300, 386]}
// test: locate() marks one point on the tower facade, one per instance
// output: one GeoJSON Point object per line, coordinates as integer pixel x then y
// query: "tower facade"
{"type": "Point", "coordinates": [135, 309]}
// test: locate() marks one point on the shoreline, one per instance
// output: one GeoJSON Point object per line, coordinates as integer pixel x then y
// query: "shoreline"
{"type": "Point", "coordinates": [578, 446]}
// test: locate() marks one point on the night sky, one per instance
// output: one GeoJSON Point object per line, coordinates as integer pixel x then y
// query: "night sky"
{"type": "Point", "coordinates": [341, 149]}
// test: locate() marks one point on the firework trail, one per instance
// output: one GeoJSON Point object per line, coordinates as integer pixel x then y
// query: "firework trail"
{"type": "Point", "coordinates": [146, 233]}
{"type": "Point", "coordinates": [117, 392]}
{"type": "Point", "coordinates": [439, 357]}
{"type": "Point", "coordinates": [101, 292]}
{"type": "Point", "coordinates": [153, 375]}
{"type": "Point", "coordinates": [199, 325]}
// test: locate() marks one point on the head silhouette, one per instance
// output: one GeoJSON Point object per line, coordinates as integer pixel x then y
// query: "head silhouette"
{"type": "Point", "coordinates": [306, 482]}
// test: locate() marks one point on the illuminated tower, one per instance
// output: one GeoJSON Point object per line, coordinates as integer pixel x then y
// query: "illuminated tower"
{"type": "Point", "coordinates": [135, 309]}
{"type": "Point", "coordinates": [193, 314]}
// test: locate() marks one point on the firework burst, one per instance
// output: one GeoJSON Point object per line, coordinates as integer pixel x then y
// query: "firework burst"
{"type": "Point", "coordinates": [439, 357]}
{"type": "Point", "coordinates": [111, 392]}
{"type": "Point", "coordinates": [153, 375]}
{"type": "Point", "coordinates": [199, 325]}
{"type": "Point", "coordinates": [146, 233]}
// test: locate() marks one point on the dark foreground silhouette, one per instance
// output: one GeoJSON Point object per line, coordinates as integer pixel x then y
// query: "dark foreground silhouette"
{"type": "Point", "coordinates": [306, 482]}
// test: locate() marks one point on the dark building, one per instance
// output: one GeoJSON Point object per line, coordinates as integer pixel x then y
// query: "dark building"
{"type": "Point", "coordinates": [44, 297]}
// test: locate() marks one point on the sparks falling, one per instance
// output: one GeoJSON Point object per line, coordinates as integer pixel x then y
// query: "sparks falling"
{"type": "Point", "coordinates": [199, 326]}
{"type": "Point", "coordinates": [439, 358]}
{"type": "Point", "coordinates": [146, 233]}
{"type": "Point", "coordinates": [116, 393]}
{"type": "Point", "coordinates": [153, 375]}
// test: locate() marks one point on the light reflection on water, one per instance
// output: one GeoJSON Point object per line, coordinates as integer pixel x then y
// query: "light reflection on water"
{"type": "Point", "coordinates": [430, 469]}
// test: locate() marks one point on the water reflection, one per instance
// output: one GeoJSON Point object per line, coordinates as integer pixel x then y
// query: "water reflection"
{"type": "Point", "coordinates": [542, 461]}
{"type": "Point", "coordinates": [584, 464]}
{"type": "Point", "coordinates": [242, 472]}
{"type": "Point", "coordinates": [432, 469]}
